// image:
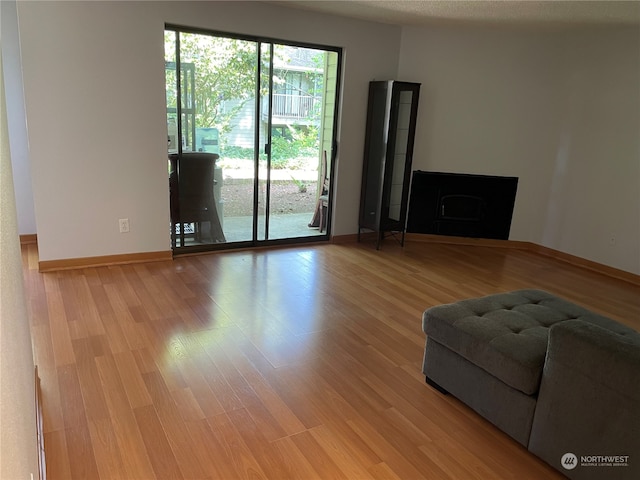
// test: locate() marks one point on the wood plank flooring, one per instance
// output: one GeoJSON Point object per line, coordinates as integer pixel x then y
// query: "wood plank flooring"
{"type": "Point", "coordinates": [295, 363]}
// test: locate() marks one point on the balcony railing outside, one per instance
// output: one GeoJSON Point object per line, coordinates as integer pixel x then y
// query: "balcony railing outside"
{"type": "Point", "coordinates": [295, 106]}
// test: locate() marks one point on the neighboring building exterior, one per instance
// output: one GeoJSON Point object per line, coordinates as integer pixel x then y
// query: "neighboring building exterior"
{"type": "Point", "coordinates": [297, 100]}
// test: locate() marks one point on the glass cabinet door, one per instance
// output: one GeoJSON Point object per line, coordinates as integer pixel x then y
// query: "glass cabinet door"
{"type": "Point", "coordinates": [401, 163]}
{"type": "Point", "coordinates": [391, 119]}
{"type": "Point", "coordinates": [375, 155]}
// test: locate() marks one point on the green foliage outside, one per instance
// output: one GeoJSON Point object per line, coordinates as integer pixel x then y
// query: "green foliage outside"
{"type": "Point", "coordinates": [295, 143]}
{"type": "Point", "coordinates": [225, 70]}
{"type": "Point", "coordinates": [287, 151]}
{"type": "Point", "coordinates": [224, 73]}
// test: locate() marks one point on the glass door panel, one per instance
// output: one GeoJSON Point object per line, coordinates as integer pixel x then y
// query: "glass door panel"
{"type": "Point", "coordinates": [208, 201]}
{"type": "Point", "coordinates": [302, 98]}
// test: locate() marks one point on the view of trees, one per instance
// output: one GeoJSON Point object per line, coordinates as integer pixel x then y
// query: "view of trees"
{"type": "Point", "coordinates": [223, 72]}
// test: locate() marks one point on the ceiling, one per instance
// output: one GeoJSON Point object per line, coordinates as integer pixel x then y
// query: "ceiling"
{"type": "Point", "coordinates": [507, 12]}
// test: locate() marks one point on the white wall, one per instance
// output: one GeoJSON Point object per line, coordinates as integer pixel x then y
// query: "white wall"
{"type": "Point", "coordinates": [94, 87]}
{"type": "Point", "coordinates": [18, 438]}
{"type": "Point", "coordinates": [16, 118]}
{"type": "Point", "coordinates": [594, 209]}
{"type": "Point", "coordinates": [559, 110]}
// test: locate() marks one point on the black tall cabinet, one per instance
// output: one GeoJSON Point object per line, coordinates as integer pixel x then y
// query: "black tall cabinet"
{"type": "Point", "coordinates": [388, 150]}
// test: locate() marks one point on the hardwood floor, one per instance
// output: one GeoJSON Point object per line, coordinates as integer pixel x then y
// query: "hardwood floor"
{"type": "Point", "coordinates": [292, 363]}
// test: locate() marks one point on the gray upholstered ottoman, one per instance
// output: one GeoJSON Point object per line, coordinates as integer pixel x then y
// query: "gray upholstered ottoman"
{"type": "Point", "coordinates": [489, 352]}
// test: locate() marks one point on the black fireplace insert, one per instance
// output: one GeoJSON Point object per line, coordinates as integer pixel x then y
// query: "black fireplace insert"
{"type": "Point", "coordinates": [464, 205]}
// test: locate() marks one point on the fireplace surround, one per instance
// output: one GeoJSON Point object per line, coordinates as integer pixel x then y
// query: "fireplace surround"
{"type": "Point", "coordinates": [464, 205]}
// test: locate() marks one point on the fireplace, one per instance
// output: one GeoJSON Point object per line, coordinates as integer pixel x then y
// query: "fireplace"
{"type": "Point", "coordinates": [463, 205]}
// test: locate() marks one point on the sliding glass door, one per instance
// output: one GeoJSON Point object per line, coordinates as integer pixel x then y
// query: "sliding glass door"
{"type": "Point", "coordinates": [250, 127]}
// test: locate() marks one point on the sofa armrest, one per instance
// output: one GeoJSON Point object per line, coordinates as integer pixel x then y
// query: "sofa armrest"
{"type": "Point", "coordinates": [589, 400]}
{"type": "Point", "coordinates": [607, 358]}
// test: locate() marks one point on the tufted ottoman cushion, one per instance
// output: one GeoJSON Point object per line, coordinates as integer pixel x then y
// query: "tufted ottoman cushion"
{"type": "Point", "coordinates": [506, 334]}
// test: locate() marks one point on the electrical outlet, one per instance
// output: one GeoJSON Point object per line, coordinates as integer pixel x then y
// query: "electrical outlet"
{"type": "Point", "coordinates": [124, 225]}
{"type": "Point", "coordinates": [612, 239]}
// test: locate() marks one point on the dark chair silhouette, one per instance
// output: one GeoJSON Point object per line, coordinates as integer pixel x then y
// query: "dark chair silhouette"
{"type": "Point", "coordinates": [191, 194]}
{"type": "Point", "coordinates": [320, 215]}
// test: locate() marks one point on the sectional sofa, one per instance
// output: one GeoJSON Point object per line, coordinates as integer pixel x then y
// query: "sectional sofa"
{"type": "Point", "coordinates": [559, 379]}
